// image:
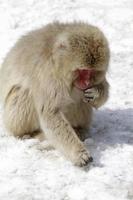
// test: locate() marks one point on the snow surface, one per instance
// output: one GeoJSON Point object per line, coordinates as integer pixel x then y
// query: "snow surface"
{"type": "Point", "coordinates": [27, 170]}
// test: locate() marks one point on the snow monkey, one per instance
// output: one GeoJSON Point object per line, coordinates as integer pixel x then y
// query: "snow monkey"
{"type": "Point", "coordinates": [51, 80]}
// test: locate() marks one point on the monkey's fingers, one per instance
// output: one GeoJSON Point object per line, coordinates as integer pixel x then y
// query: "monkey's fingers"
{"type": "Point", "coordinates": [91, 94]}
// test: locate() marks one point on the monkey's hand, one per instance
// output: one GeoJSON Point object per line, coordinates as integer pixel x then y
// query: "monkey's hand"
{"type": "Point", "coordinates": [91, 94]}
{"type": "Point", "coordinates": [97, 95]}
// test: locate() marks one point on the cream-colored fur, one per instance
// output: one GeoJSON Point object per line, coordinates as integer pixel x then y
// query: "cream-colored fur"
{"type": "Point", "coordinates": [36, 85]}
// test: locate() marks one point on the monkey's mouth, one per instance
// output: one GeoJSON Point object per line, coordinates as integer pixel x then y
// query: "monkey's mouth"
{"type": "Point", "coordinates": [83, 78]}
{"type": "Point", "coordinates": [82, 84]}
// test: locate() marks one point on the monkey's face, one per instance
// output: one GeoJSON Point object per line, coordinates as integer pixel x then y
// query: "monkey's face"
{"type": "Point", "coordinates": [83, 78]}
{"type": "Point", "coordinates": [92, 55]}
{"type": "Point", "coordinates": [87, 78]}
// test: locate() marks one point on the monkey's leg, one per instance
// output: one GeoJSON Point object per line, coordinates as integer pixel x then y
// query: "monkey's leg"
{"type": "Point", "coordinates": [19, 113]}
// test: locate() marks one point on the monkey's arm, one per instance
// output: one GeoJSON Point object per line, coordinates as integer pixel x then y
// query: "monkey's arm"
{"type": "Point", "coordinates": [97, 95]}
{"type": "Point", "coordinates": [58, 130]}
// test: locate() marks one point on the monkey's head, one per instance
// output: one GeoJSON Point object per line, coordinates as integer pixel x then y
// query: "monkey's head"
{"type": "Point", "coordinates": [82, 55]}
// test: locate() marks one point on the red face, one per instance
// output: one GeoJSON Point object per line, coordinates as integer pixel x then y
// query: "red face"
{"type": "Point", "coordinates": [83, 78]}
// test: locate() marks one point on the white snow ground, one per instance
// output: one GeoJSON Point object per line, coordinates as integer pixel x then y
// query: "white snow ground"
{"type": "Point", "coordinates": [27, 171]}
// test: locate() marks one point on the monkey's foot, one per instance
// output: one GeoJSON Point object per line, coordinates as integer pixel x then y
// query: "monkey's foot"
{"type": "Point", "coordinates": [40, 136]}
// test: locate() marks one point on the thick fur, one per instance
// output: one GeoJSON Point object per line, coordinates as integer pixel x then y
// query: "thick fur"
{"type": "Point", "coordinates": [36, 85]}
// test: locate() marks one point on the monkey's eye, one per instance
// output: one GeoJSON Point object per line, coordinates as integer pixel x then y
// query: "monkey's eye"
{"type": "Point", "coordinates": [90, 59]}
{"type": "Point", "coordinates": [93, 60]}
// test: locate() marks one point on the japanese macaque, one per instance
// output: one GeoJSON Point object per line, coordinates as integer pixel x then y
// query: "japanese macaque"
{"type": "Point", "coordinates": [51, 80]}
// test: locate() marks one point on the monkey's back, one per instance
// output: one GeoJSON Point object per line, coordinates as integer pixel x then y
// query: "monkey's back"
{"type": "Point", "coordinates": [24, 60]}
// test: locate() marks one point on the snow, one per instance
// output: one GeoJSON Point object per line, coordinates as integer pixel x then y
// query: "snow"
{"type": "Point", "coordinates": [27, 170]}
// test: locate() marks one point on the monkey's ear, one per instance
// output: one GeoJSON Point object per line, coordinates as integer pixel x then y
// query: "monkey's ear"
{"type": "Point", "coordinates": [62, 46]}
{"type": "Point", "coordinates": [62, 43]}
